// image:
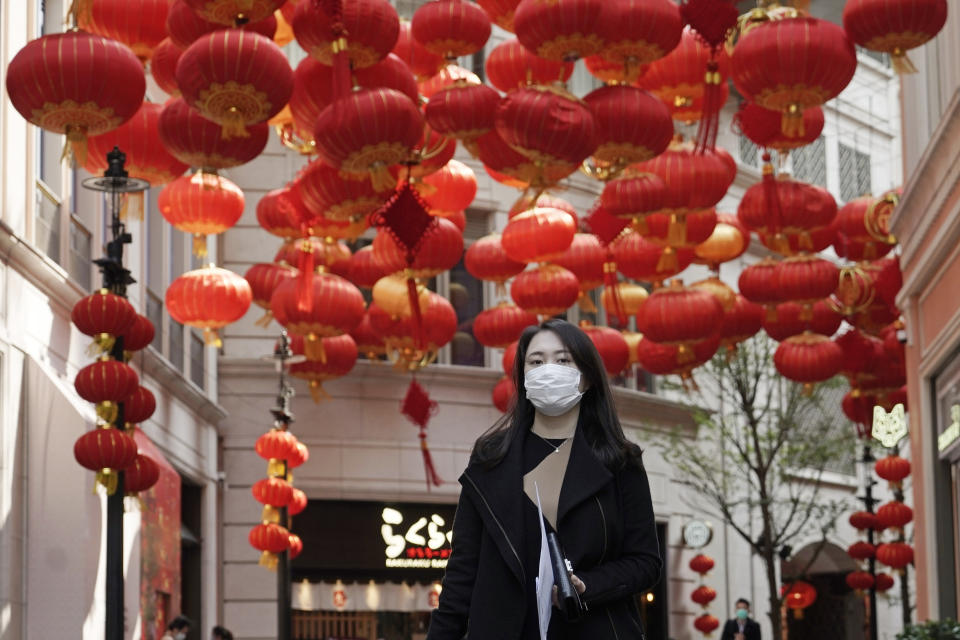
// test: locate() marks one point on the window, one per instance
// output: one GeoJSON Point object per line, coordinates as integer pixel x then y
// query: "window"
{"type": "Point", "coordinates": [79, 265]}
{"type": "Point", "coordinates": [879, 56]}
{"type": "Point", "coordinates": [749, 152]}
{"type": "Point", "coordinates": [854, 173]}
{"type": "Point", "coordinates": [477, 61]}
{"type": "Point", "coordinates": [176, 345]}
{"type": "Point", "coordinates": [197, 359]}
{"type": "Point", "coordinates": [466, 296]}
{"type": "Point", "coordinates": [810, 162]}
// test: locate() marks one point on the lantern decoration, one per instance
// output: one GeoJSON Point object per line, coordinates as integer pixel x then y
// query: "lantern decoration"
{"type": "Point", "coordinates": [701, 564]}
{"type": "Point", "coordinates": [391, 296]}
{"type": "Point", "coordinates": [510, 65]}
{"type": "Point", "coordinates": [544, 201]}
{"type": "Point", "coordinates": [185, 26]}
{"type": "Point", "coordinates": [612, 347]}
{"type": "Point", "coordinates": [785, 208]}
{"type": "Point", "coordinates": [808, 358]}
{"type": "Point", "coordinates": [106, 383]}
{"type": "Point", "coordinates": [273, 492]}
{"type": "Point", "coordinates": [508, 166]}
{"type": "Point", "coordinates": [201, 204]}
{"type": "Point", "coordinates": [855, 291]}
{"type": "Point", "coordinates": [42, 88]}
{"type": "Point", "coordinates": [703, 595]}
{"type": "Point", "coordinates": [420, 61]}
{"type": "Point", "coordinates": [787, 320]}
{"type": "Point", "coordinates": [894, 515]}
{"type": "Point", "coordinates": [728, 241]}
{"type": "Point", "coordinates": [861, 551]}
{"type": "Point", "coordinates": [209, 299]}
{"type": "Point", "coordinates": [501, 325]}
{"type": "Point", "coordinates": [486, 259]}
{"type": "Point", "coordinates": [439, 251]}
{"type": "Point", "coordinates": [334, 307]}
{"type": "Point", "coordinates": [264, 278]}
{"type": "Point", "coordinates": [418, 408]}
{"type": "Point", "coordinates": [508, 359]}
{"type": "Point", "coordinates": [641, 259]}
{"type": "Point", "coordinates": [860, 581]}
{"type": "Point", "coordinates": [678, 315]}
{"type": "Point", "coordinates": [370, 344]}
{"type": "Point", "coordinates": [538, 235]}
{"type": "Point", "coordinates": [884, 582]}
{"type": "Point", "coordinates": [327, 254]}
{"type": "Point", "coordinates": [758, 284]}
{"type": "Point", "coordinates": [163, 66]}
{"type": "Point", "coordinates": [140, 475]}
{"type": "Point", "coordinates": [854, 240]}
{"type": "Point", "coordinates": [633, 196]}
{"type": "Point", "coordinates": [298, 502]}
{"type": "Point", "coordinates": [664, 359]}
{"type": "Point", "coordinates": [629, 296]}
{"type": "Point", "coordinates": [141, 26]}
{"type": "Point", "coordinates": [339, 355]}
{"type": "Point", "coordinates": [530, 121]}
{"type": "Point", "coordinates": [277, 215]}
{"type": "Point", "coordinates": [298, 455]}
{"type": "Point", "coordinates": [805, 279]}
{"type": "Point", "coordinates": [103, 316]}
{"type": "Point", "coordinates": [364, 269]}
{"type": "Point", "coordinates": [893, 469]}
{"type": "Point", "coordinates": [234, 12]}
{"type": "Point", "coordinates": [613, 73]}
{"type": "Point", "coordinates": [896, 555]}
{"type": "Point", "coordinates": [276, 444]}
{"type": "Point", "coordinates": [463, 110]}
{"type": "Point", "coordinates": [562, 30]}
{"type": "Point", "coordinates": [740, 322]}
{"type": "Point", "coordinates": [235, 78]}
{"type": "Point", "coordinates": [706, 623]}
{"type": "Point", "coordinates": [863, 520]}
{"type": "Point", "coordinates": [451, 28]}
{"type": "Point", "coordinates": [270, 539]}
{"type": "Point", "coordinates": [198, 142]}
{"type": "Point", "coordinates": [806, 82]}
{"type": "Point", "coordinates": [138, 406]}
{"type": "Point", "coordinates": [547, 290]}
{"type": "Point", "coordinates": [763, 127]}
{"type": "Point", "coordinates": [894, 27]}
{"type": "Point", "coordinates": [632, 125]}
{"type": "Point", "coordinates": [337, 195]}
{"type": "Point", "coordinates": [798, 596]}
{"type": "Point", "coordinates": [452, 188]}
{"type": "Point", "coordinates": [106, 451]}
{"type": "Point", "coordinates": [139, 335]}
{"type": "Point", "coordinates": [584, 258]}
{"type": "Point", "coordinates": [372, 130]}
{"type": "Point", "coordinates": [504, 393]}
{"type": "Point", "coordinates": [371, 29]}
{"type": "Point", "coordinates": [410, 347]}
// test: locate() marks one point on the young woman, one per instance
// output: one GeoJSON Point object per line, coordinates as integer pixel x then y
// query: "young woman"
{"type": "Point", "coordinates": [562, 439]}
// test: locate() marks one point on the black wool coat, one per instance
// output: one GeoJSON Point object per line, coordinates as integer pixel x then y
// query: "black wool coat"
{"type": "Point", "coordinates": [751, 630]}
{"type": "Point", "coordinates": [606, 524]}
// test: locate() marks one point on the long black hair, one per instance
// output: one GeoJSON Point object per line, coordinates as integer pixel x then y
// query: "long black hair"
{"type": "Point", "coordinates": [598, 419]}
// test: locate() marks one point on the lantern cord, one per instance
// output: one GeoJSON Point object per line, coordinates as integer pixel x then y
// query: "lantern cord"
{"type": "Point", "coordinates": [613, 286]}
{"type": "Point", "coordinates": [200, 245]}
{"type": "Point", "coordinates": [341, 81]}
{"type": "Point", "coordinates": [712, 103]}
{"type": "Point", "coordinates": [901, 63]}
{"type": "Point", "coordinates": [317, 392]}
{"type": "Point", "coordinates": [433, 478]}
{"type": "Point", "coordinates": [414, 298]}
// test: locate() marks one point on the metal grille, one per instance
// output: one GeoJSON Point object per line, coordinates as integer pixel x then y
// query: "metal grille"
{"type": "Point", "coordinates": [810, 162]}
{"type": "Point", "coordinates": [749, 152]}
{"type": "Point", "coordinates": [854, 173]}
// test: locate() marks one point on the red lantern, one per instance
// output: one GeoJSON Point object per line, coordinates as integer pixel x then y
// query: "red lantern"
{"type": "Point", "coordinates": [201, 204]}
{"type": "Point", "coordinates": [298, 502]}
{"type": "Point", "coordinates": [106, 383]}
{"type": "Point", "coordinates": [278, 216]}
{"type": "Point", "coordinates": [789, 319]}
{"type": "Point", "coordinates": [364, 269]}
{"type": "Point", "coordinates": [452, 188]}
{"type": "Point", "coordinates": [504, 394]}
{"type": "Point", "coordinates": [758, 283]}
{"type": "Point", "coordinates": [139, 25]}
{"type": "Point", "coordinates": [894, 515]}
{"type": "Point", "coordinates": [264, 278]}
{"type": "Point", "coordinates": [763, 127]}
{"type": "Point", "coordinates": [685, 230]}
{"type": "Point", "coordinates": [547, 290]}
{"type": "Point", "coordinates": [822, 63]}
{"type": "Point", "coordinates": [544, 201]}
{"type": "Point", "coordinates": [894, 27]}
{"type": "Point", "coordinates": [893, 469]}
{"type": "Point", "coordinates": [584, 258]}
{"type": "Point", "coordinates": [138, 335]}
{"type": "Point", "coordinates": [863, 520]}
{"type": "Point", "coordinates": [641, 259]}
{"type": "Point", "coordinates": [860, 580]}
{"type": "Point", "coordinates": [423, 63]}
{"type": "Point", "coordinates": [561, 30]}
{"type": "Point", "coordinates": [103, 314]}
{"type": "Point", "coordinates": [797, 207]}
{"type": "Point", "coordinates": [486, 259]}
{"type": "Point", "coordinates": [337, 358]}
{"type": "Point", "coordinates": [76, 83]}
{"type": "Point", "coordinates": [410, 350]}
{"type": "Point", "coordinates": [701, 564]}
{"type": "Point", "coordinates": [861, 550]}
{"type": "Point", "coordinates": [613, 73]}
{"type": "Point", "coordinates": [274, 492]}
{"type": "Point", "coordinates": [632, 125]}
{"type": "Point", "coordinates": [336, 307]}
{"type": "Point", "coordinates": [806, 279]}
{"type": "Point", "coordinates": [198, 142]}
{"type": "Point", "coordinates": [549, 126]}
{"type": "Point", "coordinates": [233, 12]}
{"type": "Point", "coordinates": [639, 32]}
{"type": "Point", "coordinates": [235, 78]}
{"type": "Point", "coordinates": [509, 167]}
{"type": "Point", "coordinates": [509, 356]}
{"type": "Point", "coordinates": [141, 475]}
{"type": "Point", "coordinates": [634, 195]}
{"type": "Point", "coordinates": [440, 251]}
{"type": "Point", "coordinates": [854, 239]}
{"type": "Point", "coordinates": [538, 235]}
{"type": "Point", "coordinates": [883, 582]}
{"type": "Point", "coordinates": [271, 539]}
{"type": "Point", "coordinates": [296, 546]}
{"type": "Point", "coordinates": [208, 299]}
{"type": "Point", "coordinates": [511, 66]}
{"type": "Point", "coordinates": [462, 110]}
{"type": "Point", "coordinates": [678, 78]}
{"type": "Point", "coordinates": [163, 66]}
{"type": "Point", "coordinates": [679, 315]}
{"type": "Point", "coordinates": [451, 28]}
{"type": "Point", "coordinates": [298, 455]}
{"type": "Point", "coordinates": [706, 623]}
{"type": "Point", "coordinates": [139, 406]}
{"type": "Point", "coordinates": [799, 596]}
{"type": "Point", "coordinates": [337, 195]}
{"type": "Point", "coordinates": [501, 325]}
{"type": "Point", "coordinates": [369, 342]}
{"type": "Point", "coordinates": [663, 359]}
{"type": "Point", "coordinates": [895, 555]}
{"type": "Point", "coordinates": [372, 28]}
{"type": "Point", "coordinates": [276, 445]}
{"type": "Point", "coordinates": [611, 346]}
{"type": "Point", "coordinates": [808, 358]}
{"type": "Point", "coordinates": [703, 595]}
{"type": "Point", "coordinates": [106, 451]}
{"type": "Point", "coordinates": [695, 180]}
{"type": "Point", "coordinates": [740, 322]}
{"type": "Point", "coordinates": [185, 26]}
{"type": "Point", "coordinates": [370, 131]}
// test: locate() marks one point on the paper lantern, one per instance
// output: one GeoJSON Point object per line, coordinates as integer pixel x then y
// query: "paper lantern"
{"type": "Point", "coordinates": [687, 229]}
{"type": "Point", "coordinates": [695, 180]}
{"type": "Point", "coordinates": [140, 475]}
{"type": "Point", "coordinates": [893, 469]}
{"type": "Point", "coordinates": [163, 66]}
{"type": "Point", "coordinates": [612, 347]}
{"type": "Point", "coordinates": [106, 451]}
{"type": "Point", "coordinates": [763, 127]}
{"type": "Point", "coordinates": [895, 555]}
{"type": "Point", "coordinates": [786, 206]}
{"type": "Point", "coordinates": [138, 335]}
{"type": "Point", "coordinates": [335, 307]}
{"type": "Point", "coordinates": [234, 12]}
{"type": "Point", "coordinates": [392, 296]}
{"type": "Point", "coordinates": [808, 358]}
{"type": "Point", "coordinates": [740, 322]}
{"type": "Point", "coordinates": [641, 259]}
{"type": "Point", "coordinates": [547, 290]}
{"type": "Point", "coordinates": [822, 63]}
{"type": "Point", "coordinates": [372, 28]}
{"type": "Point", "coordinates": [75, 83]}
{"type": "Point", "coordinates": [894, 27]}
{"type": "Point", "coordinates": [790, 319]}
{"type": "Point", "coordinates": [584, 258]}
{"type": "Point", "coordinates": [423, 63]}
{"type": "Point", "coordinates": [139, 25]}
{"type": "Point", "coordinates": [364, 269]}
{"type": "Point", "coordinates": [854, 240]}
{"type": "Point", "coordinates": [701, 564]}
{"type": "Point", "coordinates": [639, 32]}
{"type": "Point", "coordinates": [561, 30]}
{"type": "Point", "coordinates": [538, 235]}
{"type": "Point", "coordinates": [199, 142]}
{"type": "Point", "coordinates": [295, 547]}
{"type": "Point", "coordinates": [633, 195]}
{"type": "Point", "coordinates": [799, 595]}
{"type": "Point", "coordinates": [337, 195]}
{"type": "Point", "coordinates": [276, 444]}
{"type": "Point", "coordinates": [103, 315]}
{"type": "Point", "coordinates": [439, 251]}
{"type": "Point", "coordinates": [486, 259]}
{"type": "Point", "coordinates": [806, 278]}
{"type": "Point", "coordinates": [106, 383]}
{"type": "Point", "coordinates": [209, 299]}
{"type": "Point", "coordinates": [339, 355]}
{"type": "Point", "coordinates": [632, 125]}
{"type": "Point", "coordinates": [451, 28]}
{"type": "Point", "coordinates": [758, 283]}
{"type": "Point", "coordinates": [462, 110]}
{"type": "Point", "coordinates": [139, 406]}
{"type": "Point", "coordinates": [369, 343]}
{"type": "Point", "coordinates": [863, 520]}
{"type": "Point", "coordinates": [703, 595]}
{"type": "Point", "coordinates": [235, 78]}
{"type": "Point", "coordinates": [706, 623]}
{"type": "Point", "coordinates": [510, 167]}
{"type": "Point", "coordinates": [861, 550]}
{"type": "Point", "coordinates": [501, 325]}
{"type": "Point", "coordinates": [264, 278]}
{"type": "Point", "coordinates": [894, 515]}
{"type": "Point", "coordinates": [613, 73]}
{"type": "Point", "coordinates": [883, 582]}
{"type": "Point", "coordinates": [510, 65]}
{"type": "Point", "coordinates": [270, 539]}
{"type": "Point", "coordinates": [629, 297]}
{"type": "Point", "coordinates": [274, 492]}
{"type": "Point", "coordinates": [277, 215]}
{"type": "Point", "coordinates": [504, 393]}
{"type": "Point", "coordinates": [860, 580]}
{"type": "Point", "coordinates": [185, 26]}
{"type": "Point", "coordinates": [298, 502]}
{"type": "Point", "coordinates": [452, 188]}
{"type": "Point", "coordinates": [728, 241]}
{"type": "Point", "coordinates": [526, 202]}
{"type": "Point", "coordinates": [679, 315]}
{"type": "Point", "coordinates": [201, 204]}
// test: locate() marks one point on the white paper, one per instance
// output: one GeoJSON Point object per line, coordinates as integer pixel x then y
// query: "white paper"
{"type": "Point", "coordinates": [544, 576]}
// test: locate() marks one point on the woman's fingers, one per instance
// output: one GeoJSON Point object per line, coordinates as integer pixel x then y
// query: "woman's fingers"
{"type": "Point", "coordinates": [556, 600]}
{"type": "Point", "coordinates": [578, 584]}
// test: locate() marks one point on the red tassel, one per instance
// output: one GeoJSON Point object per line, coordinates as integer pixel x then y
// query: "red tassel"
{"type": "Point", "coordinates": [610, 281]}
{"type": "Point", "coordinates": [305, 292]}
{"type": "Point", "coordinates": [415, 308]}
{"type": "Point", "coordinates": [712, 103]}
{"type": "Point", "coordinates": [771, 196]}
{"type": "Point", "coordinates": [428, 467]}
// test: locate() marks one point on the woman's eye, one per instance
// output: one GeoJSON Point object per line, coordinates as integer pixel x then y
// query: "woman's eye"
{"type": "Point", "coordinates": [535, 362]}
{"type": "Point", "coordinates": [563, 360]}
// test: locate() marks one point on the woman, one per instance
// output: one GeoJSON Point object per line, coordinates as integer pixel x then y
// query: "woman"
{"type": "Point", "coordinates": [562, 439]}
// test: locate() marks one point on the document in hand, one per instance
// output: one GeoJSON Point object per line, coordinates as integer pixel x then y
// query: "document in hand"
{"type": "Point", "coordinates": [544, 577]}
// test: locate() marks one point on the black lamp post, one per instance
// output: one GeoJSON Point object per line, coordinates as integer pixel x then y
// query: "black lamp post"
{"type": "Point", "coordinates": [867, 460]}
{"type": "Point", "coordinates": [116, 277]}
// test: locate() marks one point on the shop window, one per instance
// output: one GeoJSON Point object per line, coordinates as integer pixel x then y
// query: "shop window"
{"type": "Point", "coordinates": [810, 162]}
{"type": "Point", "coordinates": [854, 173]}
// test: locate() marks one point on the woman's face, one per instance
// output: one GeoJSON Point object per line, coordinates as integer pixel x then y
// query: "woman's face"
{"type": "Point", "coordinates": [546, 348]}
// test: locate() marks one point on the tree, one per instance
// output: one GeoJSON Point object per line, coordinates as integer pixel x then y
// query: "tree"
{"type": "Point", "coordinates": [762, 446]}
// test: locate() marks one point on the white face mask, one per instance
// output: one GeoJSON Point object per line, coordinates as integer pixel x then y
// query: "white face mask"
{"type": "Point", "coordinates": [553, 388]}
{"type": "Point", "coordinates": [180, 635]}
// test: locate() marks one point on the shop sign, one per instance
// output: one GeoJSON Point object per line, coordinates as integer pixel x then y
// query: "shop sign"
{"type": "Point", "coordinates": [415, 540]}
{"type": "Point", "coordinates": [952, 433]}
{"type": "Point", "coordinates": [889, 427]}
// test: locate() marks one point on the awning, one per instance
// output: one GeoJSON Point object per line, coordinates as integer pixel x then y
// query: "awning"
{"type": "Point", "coordinates": [365, 596]}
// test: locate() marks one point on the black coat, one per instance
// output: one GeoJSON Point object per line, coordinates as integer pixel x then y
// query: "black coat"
{"type": "Point", "coordinates": [605, 521]}
{"type": "Point", "coordinates": [751, 630]}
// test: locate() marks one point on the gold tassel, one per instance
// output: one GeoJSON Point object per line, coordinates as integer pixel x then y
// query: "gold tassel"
{"type": "Point", "coordinates": [639, 224]}
{"type": "Point", "coordinates": [808, 389]}
{"type": "Point", "coordinates": [212, 337]}
{"type": "Point", "coordinates": [200, 245]}
{"type": "Point", "coordinates": [781, 244]}
{"type": "Point", "coordinates": [313, 349]}
{"type": "Point", "coordinates": [668, 261]}
{"type": "Point", "coordinates": [901, 62]}
{"type": "Point", "coordinates": [586, 303]}
{"type": "Point", "coordinates": [265, 320]}
{"type": "Point", "coordinates": [685, 354]}
{"type": "Point", "coordinates": [102, 343]}
{"type": "Point", "coordinates": [317, 392]}
{"type": "Point", "coordinates": [108, 478]}
{"type": "Point", "coordinates": [268, 560]}
{"type": "Point", "coordinates": [771, 313]}
{"type": "Point", "coordinates": [806, 241]}
{"type": "Point", "coordinates": [381, 179]}
{"type": "Point", "coordinates": [233, 125]}
{"type": "Point", "coordinates": [806, 312]}
{"type": "Point", "coordinates": [107, 411]}
{"type": "Point", "coordinates": [270, 514]}
{"type": "Point", "coordinates": [791, 122]}
{"type": "Point", "coordinates": [276, 468]}
{"type": "Point", "coordinates": [677, 231]}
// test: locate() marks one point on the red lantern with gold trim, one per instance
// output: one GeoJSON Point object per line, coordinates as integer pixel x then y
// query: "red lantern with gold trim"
{"type": "Point", "coordinates": [612, 347]}
{"type": "Point", "coordinates": [798, 207]}
{"type": "Point", "coordinates": [372, 28]}
{"type": "Point", "coordinates": [791, 319]}
{"type": "Point", "coordinates": [633, 195]}
{"type": "Point", "coordinates": [139, 406]}
{"type": "Point", "coordinates": [234, 12]}
{"type": "Point", "coordinates": [740, 322]}
{"type": "Point", "coordinates": [199, 142]}
{"type": "Point", "coordinates": [452, 188]}
{"type": "Point", "coordinates": [763, 127]}
{"type": "Point", "coordinates": [337, 195]}
{"type": "Point", "coordinates": [138, 335]}
{"type": "Point", "coordinates": [451, 28]}
{"type": "Point", "coordinates": [208, 299]}
{"type": "Point", "coordinates": [859, 581]}
{"type": "Point", "coordinates": [501, 325]}
{"type": "Point", "coordinates": [808, 358]}
{"type": "Point", "coordinates": [486, 259]}
{"type": "Point", "coordinates": [728, 241]}
{"type": "Point", "coordinates": [893, 469]}
{"type": "Point", "coordinates": [264, 278]}
{"type": "Point", "coordinates": [679, 315]}
{"type": "Point", "coordinates": [235, 78]}
{"type": "Point", "coordinates": [298, 502]}
{"type": "Point", "coordinates": [806, 279]}
{"type": "Point", "coordinates": [701, 564]}
{"type": "Point", "coordinates": [328, 254]}
{"type": "Point", "coordinates": [103, 313]}
{"type": "Point", "coordinates": [511, 66]}
{"type": "Point", "coordinates": [141, 475]}
{"type": "Point", "coordinates": [547, 290]}
{"type": "Point", "coordinates": [632, 125]}
{"type": "Point", "coordinates": [76, 83]}
{"type": "Point", "coordinates": [105, 450]}
{"type": "Point", "coordinates": [270, 539]}
{"type": "Point", "coordinates": [894, 515]}
{"type": "Point", "coordinates": [672, 359]}
{"type": "Point", "coordinates": [274, 492]}
{"type": "Point", "coordinates": [695, 180]}
{"type": "Point", "coordinates": [463, 110]}
{"type": "Point", "coordinates": [758, 283]}
{"type": "Point", "coordinates": [561, 30]}
{"type": "Point", "coordinates": [201, 204]}
{"type": "Point", "coordinates": [139, 25]}
{"type": "Point", "coordinates": [706, 623]}
{"type": "Point", "coordinates": [185, 26]}
{"type": "Point", "coordinates": [895, 555]}
{"type": "Point", "coordinates": [423, 63]}
{"type": "Point", "coordinates": [584, 258]}
{"type": "Point", "coordinates": [639, 32]}
{"type": "Point", "coordinates": [538, 235]}
{"type": "Point", "coordinates": [641, 259]}
{"type": "Point", "coordinates": [339, 355]}
{"type": "Point", "coordinates": [365, 269]}
{"type": "Point", "coordinates": [369, 343]}
{"type": "Point", "coordinates": [296, 546]}
{"type": "Point", "coordinates": [894, 26]}
{"type": "Point", "coordinates": [854, 240]}
{"type": "Point", "coordinates": [703, 595]}
{"type": "Point", "coordinates": [335, 307]}
{"type": "Point", "coordinates": [799, 595]}
{"type": "Point", "coordinates": [439, 251]}
{"type": "Point", "coordinates": [822, 63]}
{"type": "Point", "coordinates": [147, 158]}
{"type": "Point", "coordinates": [163, 66]}
{"type": "Point", "coordinates": [276, 444]}
{"type": "Point", "coordinates": [277, 216]}
{"type": "Point", "coordinates": [106, 383]}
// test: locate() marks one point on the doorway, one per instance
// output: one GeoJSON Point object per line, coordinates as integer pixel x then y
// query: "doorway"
{"type": "Point", "coordinates": [838, 612]}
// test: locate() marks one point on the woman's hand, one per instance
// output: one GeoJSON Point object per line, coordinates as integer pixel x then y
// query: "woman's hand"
{"type": "Point", "coordinates": [577, 584]}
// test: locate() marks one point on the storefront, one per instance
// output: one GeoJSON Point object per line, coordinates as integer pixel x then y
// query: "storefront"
{"type": "Point", "coordinates": [946, 481]}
